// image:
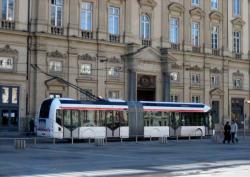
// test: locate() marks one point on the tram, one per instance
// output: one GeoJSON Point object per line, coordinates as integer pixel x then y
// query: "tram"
{"type": "Point", "coordinates": [65, 118]}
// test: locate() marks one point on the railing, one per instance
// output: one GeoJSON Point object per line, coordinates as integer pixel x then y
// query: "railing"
{"type": "Point", "coordinates": [87, 34]}
{"type": "Point", "coordinates": [196, 49]}
{"type": "Point", "coordinates": [175, 46]}
{"type": "Point", "coordinates": [216, 52]}
{"type": "Point", "coordinates": [238, 55]}
{"type": "Point", "coordinates": [8, 24]}
{"type": "Point", "coordinates": [57, 30]}
{"type": "Point", "coordinates": [146, 42]}
{"type": "Point", "coordinates": [114, 38]}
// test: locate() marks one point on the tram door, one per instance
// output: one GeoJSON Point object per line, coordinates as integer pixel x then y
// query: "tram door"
{"type": "Point", "coordinates": [113, 123]}
{"type": "Point", "coordinates": [70, 123]}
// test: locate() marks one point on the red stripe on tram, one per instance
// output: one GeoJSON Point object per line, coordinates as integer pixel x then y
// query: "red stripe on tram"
{"type": "Point", "coordinates": [173, 110]}
{"type": "Point", "coordinates": [82, 108]}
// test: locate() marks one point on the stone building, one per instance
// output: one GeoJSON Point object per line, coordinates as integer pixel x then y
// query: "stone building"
{"type": "Point", "coordinates": [164, 50]}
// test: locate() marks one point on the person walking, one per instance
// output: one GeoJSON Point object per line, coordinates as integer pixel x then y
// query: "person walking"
{"type": "Point", "coordinates": [227, 130]}
{"type": "Point", "coordinates": [234, 129]}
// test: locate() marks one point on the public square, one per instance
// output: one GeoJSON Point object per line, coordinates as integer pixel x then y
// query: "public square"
{"type": "Point", "coordinates": [197, 157]}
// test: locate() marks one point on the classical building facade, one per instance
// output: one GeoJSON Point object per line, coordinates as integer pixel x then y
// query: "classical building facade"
{"type": "Point", "coordinates": [163, 50]}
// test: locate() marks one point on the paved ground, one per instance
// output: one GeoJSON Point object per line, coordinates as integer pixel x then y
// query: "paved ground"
{"type": "Point", "coordinates": [200, 158]}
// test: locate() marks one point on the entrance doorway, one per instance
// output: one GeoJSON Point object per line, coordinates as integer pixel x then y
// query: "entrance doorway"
{"type": "Point", "coordinates": [237, 111]}
{"type": "Point", "coordinates": [146, 95]}
{"type": "Point", "coordinates": [8, 119]}
{"type": "Point", "coordinates": [9, 108]}
{"type": "Point", "coordinates": [146, 86]}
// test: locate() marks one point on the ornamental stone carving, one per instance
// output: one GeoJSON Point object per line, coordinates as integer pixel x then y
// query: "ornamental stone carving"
{"type": "Point", "coordinates": [86, 57]}
{"type": "Point", "coordinates": [55, 54]}
{"type": "Point", "coordinates": [197, 12]}
{"type": "Point", "coordinates": [114, 60]}
{"type": "Point", "coordinates": [238, 22]}
{"type": "Point", "coordinates": [238, 74]}
{"type": "Point", "coordinates": [215, 70]}
{"type": "Point", "coordinates": [7, 50]}
{"type": "Point", "coordinates": [215, 15]}
{"type": "Point", "coordinates": [149, 3]}
{"type": "Point", "coordinates": [194, 68]}
{"type": "Point", "coordinates": [176, 7]}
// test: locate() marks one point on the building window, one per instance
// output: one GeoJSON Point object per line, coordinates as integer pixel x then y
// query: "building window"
{"type": "Point", "coordinates": [237, 83]}
{"type": "Point", "coordinates": [113, 94]}
{"type": "Point", "coordinates": [14, 94]}
{"type": "Point", "coordinates": [55, 95]}
{"type": "Point", "coordinates": [55, 66]}
{"type": "Point", "coordinates": [236, 7]}
{"type": "Point", "coordinates": [174, 76]}
{"type": "Point", "coordinates": [174, 30]}
{"type": "Point", "coordinates": [214, 4]}
{"type": "Point", "coordinates": [5, 95]}
{"type": "Point", "coordinates": [6, 63]}
{"type": "Point", "coordinates": [56, 12]}
{"type": "Point", "coordinates": [236, 42]}
{"type": "Point", "coordinates": [214, 37]}
{"type": "Point", "coordinates": [195, 34]}
{"type": "Point", "coordinates": [86, 16]}
{"type": "Point", "coordinates": [215, 81]}
{"type": "Point", "coordinates": [174, 98]}
{"type": "Point", "coordinates": [113, 72]}
{"type": "Point", "coordinates": [85, 69]}
{"type": "Point", "coordinates": [113, 20]}
{"type": "Point", "coordinates": [84, 96]}
{"type": "Point", "coordinates": [8, 10]}
{"type": "Point", "coordinates": [195, 79]}
{"type": "Point", "coordinates": [145, 27]}
{"type": "Point", "coordinates": [196, 2]}
{"type": "Point", "coordinates": [196, 99]}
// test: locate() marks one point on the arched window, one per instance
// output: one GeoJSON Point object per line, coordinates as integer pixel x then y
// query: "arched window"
{"type": "Point", "coordinates": [145, 27]}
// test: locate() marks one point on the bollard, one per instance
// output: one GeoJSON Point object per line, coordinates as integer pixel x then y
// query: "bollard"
{"type": "Point", "coordinates": [177, 138]}
{"type": "Point", "coordinates": [136, 138]}
{"type": "Point", "coordinates": [54, 141]}
{"type": "Point", "coordinates": [72, 140]}
{"type": "Point", "coordinates": [121, 139]}
{"type": "Point", "coordinates": [189, 138]}
{"type": "Point", "coordinates": [99, 141]}
{"type": "Point", "coordinates": [201, 137]}
{"type": "Point", "coordinates": [89, 140]}
{"type": "Point", "coordinates": [34, 140]}
{"type": "Point", "coordinates": [150, 138]}
{"type": "Point", "coordinates": [20, 143]}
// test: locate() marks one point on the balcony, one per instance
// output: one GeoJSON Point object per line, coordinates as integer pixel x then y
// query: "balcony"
{"type": "Point", "coordinates": [196, 49]}
{"type": "Point", "coordinates": [57, 30]}
{"type": "Point", "coordinates": [175, 46]}
{"type": "Point", "coordinates": [146, 42]}
{"type": "Point", "coordinates": [238, 55]}
{"type": "Point", "coordinates": [8, 24]}
{"type": "Point", "coordinates": [114, 38]}
{"type": "Point", "coordinates": [87, 34]}
{"type": "Point", "coordinates": [216, 52]}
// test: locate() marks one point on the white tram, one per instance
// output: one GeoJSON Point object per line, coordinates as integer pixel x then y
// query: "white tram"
{"type": "Point", "coordinates": [67, 118]}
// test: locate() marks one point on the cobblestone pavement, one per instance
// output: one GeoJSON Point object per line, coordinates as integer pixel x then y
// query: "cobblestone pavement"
{"type": "Point", "coordinates": [200, 158]}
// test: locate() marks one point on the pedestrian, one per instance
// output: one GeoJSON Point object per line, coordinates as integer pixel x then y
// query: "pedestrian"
{"type": "Point", "coordinates": [227, 130]}
{"type": "Point", "coordinates": [234, 129]}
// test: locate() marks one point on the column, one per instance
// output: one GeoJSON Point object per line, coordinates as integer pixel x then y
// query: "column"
{"type": "Point", "coordinates": [165, 74]}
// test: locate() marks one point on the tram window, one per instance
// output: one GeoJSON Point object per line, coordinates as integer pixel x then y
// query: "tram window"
{"type": "Point", "coordinates": [66, 118]}
{"type": "Point", "coordinates": [59, 113]}
{"type": "Point", "coordinates": [45, 107]}
{"type": "Point", "coordinates": [75, 118]}
{"type": "Point", "coordinates": [156, 118]}
{"type": "Point", "coordinates": [123, 118]}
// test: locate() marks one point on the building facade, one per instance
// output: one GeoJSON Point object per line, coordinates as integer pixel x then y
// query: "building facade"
{"type": "Point", "coordinates": [164, 50]}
